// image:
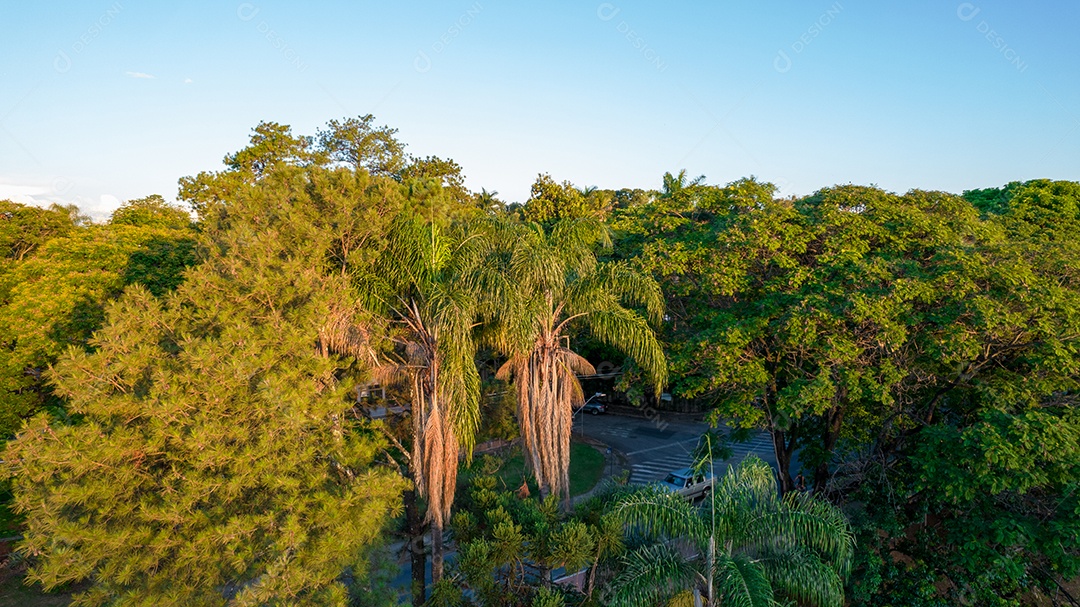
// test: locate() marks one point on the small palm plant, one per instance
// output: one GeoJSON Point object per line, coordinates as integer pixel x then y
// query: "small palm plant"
{"type": "Point", "coordinates": [745, 545]}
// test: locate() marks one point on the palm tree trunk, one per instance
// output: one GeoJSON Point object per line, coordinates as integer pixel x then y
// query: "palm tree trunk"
{"type": "Point", "coordinates": [592, 577]}
{"type": "Point", "coordinates": [711, 564]}
{"type": "Point", "coordinates": [415, 529]}
{"type": "Point", "coordinates": [562, 410]}
{"type": "Point", "coordinates": [436, 550]}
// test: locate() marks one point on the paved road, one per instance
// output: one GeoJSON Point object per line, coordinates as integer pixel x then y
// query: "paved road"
{"type": "Point", "coordinates": [655, 447]}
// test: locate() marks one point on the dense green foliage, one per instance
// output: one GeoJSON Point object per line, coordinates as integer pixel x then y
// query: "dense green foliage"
{"type": "Point", "coordinates": [920, 352]}
{"type": "Point", "coordinates": [58, 277]}
{"type": "Point", "coordinates": [23, 228]}
{"type": "Point", "coordinates": [214, 462]}
{"type": "Point", "coordinates": [507, 543]}
{"type": "Point", "coordinates": [991, 475]}
{"type": "Point", "coordinates": [182, 388]}
{"type": "Point", "coordinates": [744, 546]}
{"type": "Point", "coordinates": [550, 201]}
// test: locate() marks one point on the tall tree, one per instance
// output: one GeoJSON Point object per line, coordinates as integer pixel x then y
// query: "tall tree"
{"type": "Point", "coordinates": [359, 143]}
{"type": "Point", "coordinates": [213, 462]}
{"type": "Point", "coordinates": [975, 475]}
{"type": "Point", "coordinates": [24, 228]}
{"type": "Point", "coordinates": [490, 203]}
{"type": "Point", "coordinates": [550, 201]}
{"type": "Point", "coordinates": [445, 172]}
{"type": "Point", "coordinates": [272, 146]}
{"type": "Point", "coordinates": [553, 282]}
{"type": "Point", "coordinates": [430, 297]}
{"type": "Point", "coordinates": [151, 211]}
{"type": "Point", "coordinates": [676, 186]}
{"type": "Point", "coordinates": [918, 350]}
{"type": "Point", "coordinates": [346, 184]}
{"type": "Point", "coordinates": [795, 316]}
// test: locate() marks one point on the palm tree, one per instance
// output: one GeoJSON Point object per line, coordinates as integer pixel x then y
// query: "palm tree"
{"type": "Point", "coordinates": [489, 202]}
{"type": "Point", "coordinates": [676, 184]}
{"type": "Point", "coordinates": [745, 546]}
{"type": "Point", "coordinates": [427, 292]}
{"type": "Point", "coordinates": [552, 280]}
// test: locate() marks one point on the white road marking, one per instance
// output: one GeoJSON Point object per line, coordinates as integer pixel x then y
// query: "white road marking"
{"type": "Point", "coordinates": [658, 467]}
{"type": "Point", "coordinates": [667, 446]}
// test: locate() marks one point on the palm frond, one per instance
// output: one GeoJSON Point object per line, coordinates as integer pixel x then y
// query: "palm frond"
{"type": "Point", "coordinates": [651, 575]}
{"type": "Point", "coordinates": [656, 512]}
{"type": "Point", "coordinates": [505, 372]}
{"type": "Point", "coordinates": [579, 238]}
{"type": "Point", "coordinates": [346, 331]}
{"type": "Point", "coordinates": [821, 527]}
{"type": "Point", "coordinates": [628, 332]}
{"type": "Point", "coordinates": [628, 286]}
{"type": "Point", "coordinates": [740, 582]}
{"type": "Point", "coordinates": [803, 577]}
{"type": "Point", "coordinates": [575, 363]}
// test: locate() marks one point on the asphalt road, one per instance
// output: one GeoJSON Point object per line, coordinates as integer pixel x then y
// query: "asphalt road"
{"type": "Point", "coordinates": [653, 448]}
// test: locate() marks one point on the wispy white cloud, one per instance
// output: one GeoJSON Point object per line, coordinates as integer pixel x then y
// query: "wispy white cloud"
{"type": "Point", "coordinates": [139, 75]}
{"type": "Point", "coordinates": [23, 194]}
{"type": "Point", "coordinates": [60, 191]}
{"type": "Point", "coordinates": [187, 80]}
{"type": "Point", "coordinates": [106, 202]}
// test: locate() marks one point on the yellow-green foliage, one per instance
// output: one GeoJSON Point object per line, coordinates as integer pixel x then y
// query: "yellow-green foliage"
{"type": "Point", "coordinates": [214, 461]}
{"type": "Point", "coordinates": [53, 293]}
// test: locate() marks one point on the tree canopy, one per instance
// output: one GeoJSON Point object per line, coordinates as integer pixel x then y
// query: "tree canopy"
{"type": "Point", "coordinates": [53, 295]}
{"type": "Point", "coordinates": [903, 341]}
{"type": "Point", "coordinates": [182, 387]}
{"type": "Point", "coordinates": [216, 460]}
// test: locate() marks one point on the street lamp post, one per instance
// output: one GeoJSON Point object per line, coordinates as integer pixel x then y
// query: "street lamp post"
{"type": "Point", "coordinates": [582, 408]}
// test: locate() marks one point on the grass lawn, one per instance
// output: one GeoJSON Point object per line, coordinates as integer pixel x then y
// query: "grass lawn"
{"type": "Point", "coordinates": [586, 468]}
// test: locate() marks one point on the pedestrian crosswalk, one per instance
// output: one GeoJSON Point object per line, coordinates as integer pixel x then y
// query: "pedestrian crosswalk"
{"type": "Point", "coordinates": [761, 445]}
{"type": "Point", "coordinates": [657, 467]}
{"type": "Point", "coordinates": [658, 463]}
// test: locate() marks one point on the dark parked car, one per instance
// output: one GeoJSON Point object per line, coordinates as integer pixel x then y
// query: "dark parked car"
{"type": "Point", "coordinates": [594, 408]}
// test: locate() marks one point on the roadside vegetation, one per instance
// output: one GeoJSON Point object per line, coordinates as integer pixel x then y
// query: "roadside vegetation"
{"type": "Point", "coordinates": [275, 394]}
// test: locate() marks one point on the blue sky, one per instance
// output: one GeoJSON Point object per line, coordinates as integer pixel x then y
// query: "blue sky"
{"type": "Point", "coordinates": [108, 100]}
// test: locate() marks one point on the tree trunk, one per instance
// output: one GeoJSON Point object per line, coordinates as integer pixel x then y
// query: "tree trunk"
{"type": "Point", "coordinates": [545, 575]}
{"type": "Point", "coordinates": [592, 577]}
{"type": "Point", "coordinates": [712, 566]}
{"type": "Point", "coordinates": [436, 551]}
{"type": "Point", "coordinates": [783, 453]}
{"type": "Point", "coordinates": [415, 529]}
{"type": "Point", "coordinates": [833, 419]}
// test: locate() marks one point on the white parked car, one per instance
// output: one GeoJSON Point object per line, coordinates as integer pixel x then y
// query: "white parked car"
{"type": "Point", "coordinates": [689, 485]}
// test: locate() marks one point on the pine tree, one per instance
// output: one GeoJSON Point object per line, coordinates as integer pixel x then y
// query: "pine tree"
{"type": "Point", "coordinates": [216, 461]}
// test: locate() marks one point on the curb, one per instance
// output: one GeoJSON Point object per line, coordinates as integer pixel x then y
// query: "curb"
{"type": "Point", "coordinates": [616, 462]}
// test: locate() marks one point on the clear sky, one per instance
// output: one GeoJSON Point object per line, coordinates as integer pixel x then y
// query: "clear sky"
{"type": "Point", "coordinates": [107, 100]}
